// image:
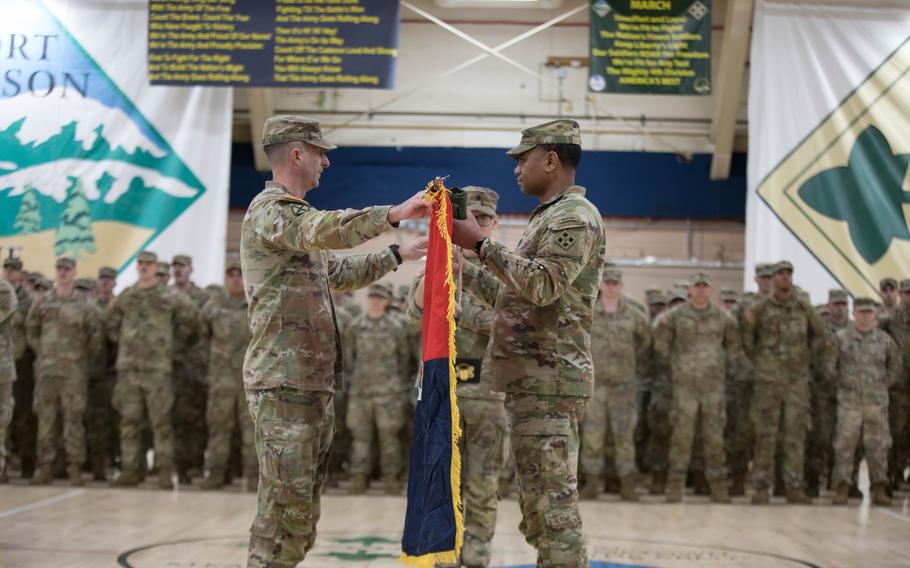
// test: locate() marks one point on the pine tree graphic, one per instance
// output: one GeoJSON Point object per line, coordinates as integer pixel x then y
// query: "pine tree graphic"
{"type": "Point", "coordinates": [28, 220]}
{"type": "Point", "coordinates": [74, 233]}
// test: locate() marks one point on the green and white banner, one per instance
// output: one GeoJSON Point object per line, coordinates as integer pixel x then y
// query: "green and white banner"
{"type": "Point", "coordinates": [829, 144]}
{"type": "Point", "coordinates": [95, 163]}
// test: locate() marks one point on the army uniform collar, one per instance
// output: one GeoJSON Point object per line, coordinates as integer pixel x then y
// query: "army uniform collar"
{"type": "Point", "coordinates": [571, 190]}
{"type": "Point", "coordinates": [274, 185]}
{"type": "Point", "coordinates": [779, 302]}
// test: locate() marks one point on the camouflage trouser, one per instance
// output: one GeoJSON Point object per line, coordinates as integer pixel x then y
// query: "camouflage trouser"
{"type": "Point", "coordinates": [613, 407]}
{"type": "Point", "coordinates": [545, 443]}
{"type": "Point", "coordinates": [100, 419]}
{"type": "Point", "coordinates": [134, 394]}
{"type": "Point", "coordinates": [483, 425]}
{"type": "Point", "coordinates": [740, 437]}
{"type": "Point", "coordinates": [387, 413]}
{"type": "Point", "coordinates": [690, 405]}
{"type": "Point", "coordinates": [507, 473]}
{"type": "Point", "coordinates": [819, 449]}
{"type": "Point", "coordinates": [24, 427]}
{"type": "Point", "coordinates": [661, 429]}
{"type": "Point", "coordinates": [226, 409]}
{"type": "Point", "coordinates": [341, 446]}
{"type": "Point", "coordinates": [899, 414]}
{"type": "Point", "coordinates": [66, 396]}
{"type": "Point", "coordinates": [294, 431]}
{"type": "Point", "coordinates": [855, 419]}
{"type": "Point", "coordinates": [188, 414]}
{"type": "Point", "coordinates": [6, 413]}
{"type": "Point", "coordinates": [642, 430]}
{"type": "Point", "coordinates": [782, 405]}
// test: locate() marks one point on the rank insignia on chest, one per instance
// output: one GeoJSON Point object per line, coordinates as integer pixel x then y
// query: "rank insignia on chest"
{"type": "Point", "coordinates": [565, 240]}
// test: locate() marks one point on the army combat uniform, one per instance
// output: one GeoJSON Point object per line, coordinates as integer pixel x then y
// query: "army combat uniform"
{"type": "Point", "coordinates": [294, 360]}
{"type": "Point", "coordinates": [8, 305]}
{"type": "Point", "coordinates": [539, 354]}
{"type": "Point", "coordinates": [897, 324]}
{"type": "Point", "coordinates": [24, 425]}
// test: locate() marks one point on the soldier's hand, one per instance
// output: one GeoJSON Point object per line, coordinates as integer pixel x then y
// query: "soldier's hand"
{"type": "Point", "coordinates": [466, 233]}
{"type": "Point", "coordinates": [414, 250]}
{"type": "Point", "coordinates": [414, 208]}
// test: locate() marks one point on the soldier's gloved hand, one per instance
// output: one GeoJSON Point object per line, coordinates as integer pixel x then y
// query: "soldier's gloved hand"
{"type": "Point", "coordinates": [414, 250]}
{"type": "Point", "coordinates": [466, 233]}
{"type": "Point", "coordinates": [415, 207]}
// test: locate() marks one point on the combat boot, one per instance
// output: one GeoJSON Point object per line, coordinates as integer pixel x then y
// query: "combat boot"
{"type": "Point", "coordinates": [591, 487]}
{"type": "Point", "coordinates": [761, 496]}
{"type": "Point", "coordinates": [214, 480]}
{"type": "Point", "coordinates": [4, 478]}
{"type": "Point", "coordinates": [128, 478]}
{"type": "Point", "coordinates": [719, 491]}
{"type": "Point", "coordinates": [251, 479]}
{"type": "Point", "coordinates": [842, 495]}
{"type": "Point", "coordinates": [700, 483]}
{"type": "Point", "coordinates": [658, 483]}
{"type": "Point", "coordinates": [164, 477]}
{"type": "Point", "coordinates": [358, 484]}
{"type": "Point", "coordinates": [675, 491]}
{"type": "Point", "coordinates": [74, 474]}
{"type": "Point", "coordinates": [611, 485]}
{"type": "Point", "coordinates": [812, 486]}
{"type": "Point", "coordinates": [739, 485]}
{"type": "Point", "coordinates": [627, 488]}
{"type": "Point", "coordinates": [797, 497]}
{"type": "Point", "coordinates": [392, 486]}
{"type": "Point", "coordinates": [44, 475]}
{"type": "Point", "coordinates": [879, 496]}
{"type": "Point", "coordinates": [99, 469]}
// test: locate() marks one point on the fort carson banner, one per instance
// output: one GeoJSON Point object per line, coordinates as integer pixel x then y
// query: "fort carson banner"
{"type": "Point", "coordinates": [95, 163]}
{"type": "Point", "coordinates": [829, 144]}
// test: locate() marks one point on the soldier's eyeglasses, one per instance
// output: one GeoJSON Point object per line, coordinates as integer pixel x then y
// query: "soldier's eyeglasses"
{"type": "Point", "coordinates": [483, 220]}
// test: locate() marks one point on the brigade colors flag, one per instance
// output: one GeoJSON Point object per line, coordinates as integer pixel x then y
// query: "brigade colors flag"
{"type": "Point", "coordinates": [433, 524]}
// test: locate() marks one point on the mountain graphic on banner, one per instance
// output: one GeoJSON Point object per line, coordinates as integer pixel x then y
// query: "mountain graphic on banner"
{"type": "Point", "coordinates": [83, 172]}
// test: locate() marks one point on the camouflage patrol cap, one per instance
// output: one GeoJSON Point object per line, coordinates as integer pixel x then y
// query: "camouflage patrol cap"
{"type": "Point", "coordinates": [84, 284]}
{"type": "Point", "coordinates": [33, 276]}
{"type": "Point", "coordinates": [887, 281]}
{"type": "Point", "coordinates": [107, 272]}
{"type": "Point", "coordinates": [43, 283]}
{"type": "Point", "coordinates": [147, 256]}
{"type": "Point", "coordinates": [380, 291]}
{"type": "Point", "coordinates": [184, 259]}
{"type": "Point", "coordinates": [675, 295]}
{"type": "Point", "coordinates": [822, 309]}
{"type": "Point", "coordinates": [905, 285]}
{"type": "Point", "coordinates": [864, 305]}
{"type": "Point", "coordinates": [285, 128]}
{"type": "Point", "coordinates": [782, 265]}
{"type": "Point", "coordinates": [655, 297]}
{"type": "Point", "coordinates": [728, 295]}
{"type": "Point", "coordinates": [163, 268]}
{"type": "Point", "coordinates": [837, 296]}
{"type": "Point", "coordinates": [66, 261]}
{"type": "Point", "coordinates": [699, 278]}
{"type": "Point", "coordinates": [612, 275]}
{"type": "Point", "coordinates": [482, 200]}
{"type": "Point", "coordinates": [14, 263]}
{"type": "Point", "coordinates": [764, 270]}
{"type": "Point", "coordinates": [561, 131]}
{"type": "Point", "coordinates": [232, 264]}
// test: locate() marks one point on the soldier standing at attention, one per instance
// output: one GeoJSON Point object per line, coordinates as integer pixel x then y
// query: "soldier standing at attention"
{"type": "Point", "coordinates": [24, 425]}
{"type": "Point", "coordinates": [783, 334]}
{"type": "Point", "coordinates": [888, 292]}
{"type": "Point", "coordinates": [543, 296]}
{"type": "Point", "coordinates": [897, 325]}
{"type": "Point", "coordinates": [147, 322]}
{"type": "Point", "coordinates": [66, 334]}
{"type": "Point", "coordinates": [104, 286]}
{"type": "Point", "coordinates": [658, 373]}
{"type": "Point", "coordinates": [8, 305]}
{"type": "Point", "coordinates": [621, 344]}
{"type": "Point", "coordinates": [864, 364]}
{"type": "Point", "coordinates": [701, 340]}
{"type": "Point", "coordinates": [294, 360]}
{"type": "Point", "coordinates": [380, 352]}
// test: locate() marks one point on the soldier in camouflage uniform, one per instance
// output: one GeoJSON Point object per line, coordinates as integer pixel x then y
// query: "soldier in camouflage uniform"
{"type": "Point", "coordinates": [819, 451]}
{"type": "Point", "coordinates": [483, 412]}
{"type": "Point", "coordinates": [889, 294]}
{"type": "Point", "coordinates": [64, 330]}
{"type": "Point", "coordinates": [225, 337]}
{"type": "Point", "coordinates": [781, 336]}
{"type": "Point", "coordinates": [658, 411]}
{"type": "Point", "coordinates": [865, 363]}
{"type": "Point", "coordinates": [102, 429]}
{"type": "Point", "coordinates": [897, 325]}
{"type": "Point", "coordinates": [379, 357]}
{"type": "Point", "coordinates": [147, 322]}
{"type": "Point", "coordinates": [729, 299]}
{"type": "Point", "coordinates": [294, 360]}
{"type": "Point", "coordinates": [8, 305]}
{"type": "Point", "coordinates": [620, 344]}
{"type": "Point", "coordinates": [190, 389]}
{"type": "Point", "coordinates": [163, 272]}
{"type": "Point", "coordinates": [24, 426]}
{"type": "Point", "coordinates": [700, 340]}
{"type": "Point", "coordinates": [543, 295]}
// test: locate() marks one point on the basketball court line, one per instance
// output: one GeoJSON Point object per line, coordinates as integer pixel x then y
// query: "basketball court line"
{"type": "Point", "coordinates": [42, 503]}
{"type": "Point", "coordinates": [894, 514]}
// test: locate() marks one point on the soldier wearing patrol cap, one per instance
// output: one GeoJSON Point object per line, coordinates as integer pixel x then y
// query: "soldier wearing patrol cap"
{"type": "Point", "coordinates": [897, 325]}
{"type": "Point", "coordinates": [889, 294]}
{"type": "Point", "coordinates": [66, 334]}
{"type": "Point", "coordinates": [104, 286]}
{"type": "Point", "coordinates": [163, 272]}
{"type": "Point", "coordinates": [864, 364]}
{"type": "Point", "coordinates": [782, 335]}
{"type": "Point", "coordinates": [728, 299]}
{"type": "Point", "coordinates": [539, 353]}
{"type": "Point", "coordinates": [8, 306]}
{"type": "Point", "coordinates": [700, 340]}
{"type": "Point", "coordinates": [294, 360]}
{"type": "Point", "coordinates": [657, 373]}
{"type": "Point", "coordinates": [24, 425]}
